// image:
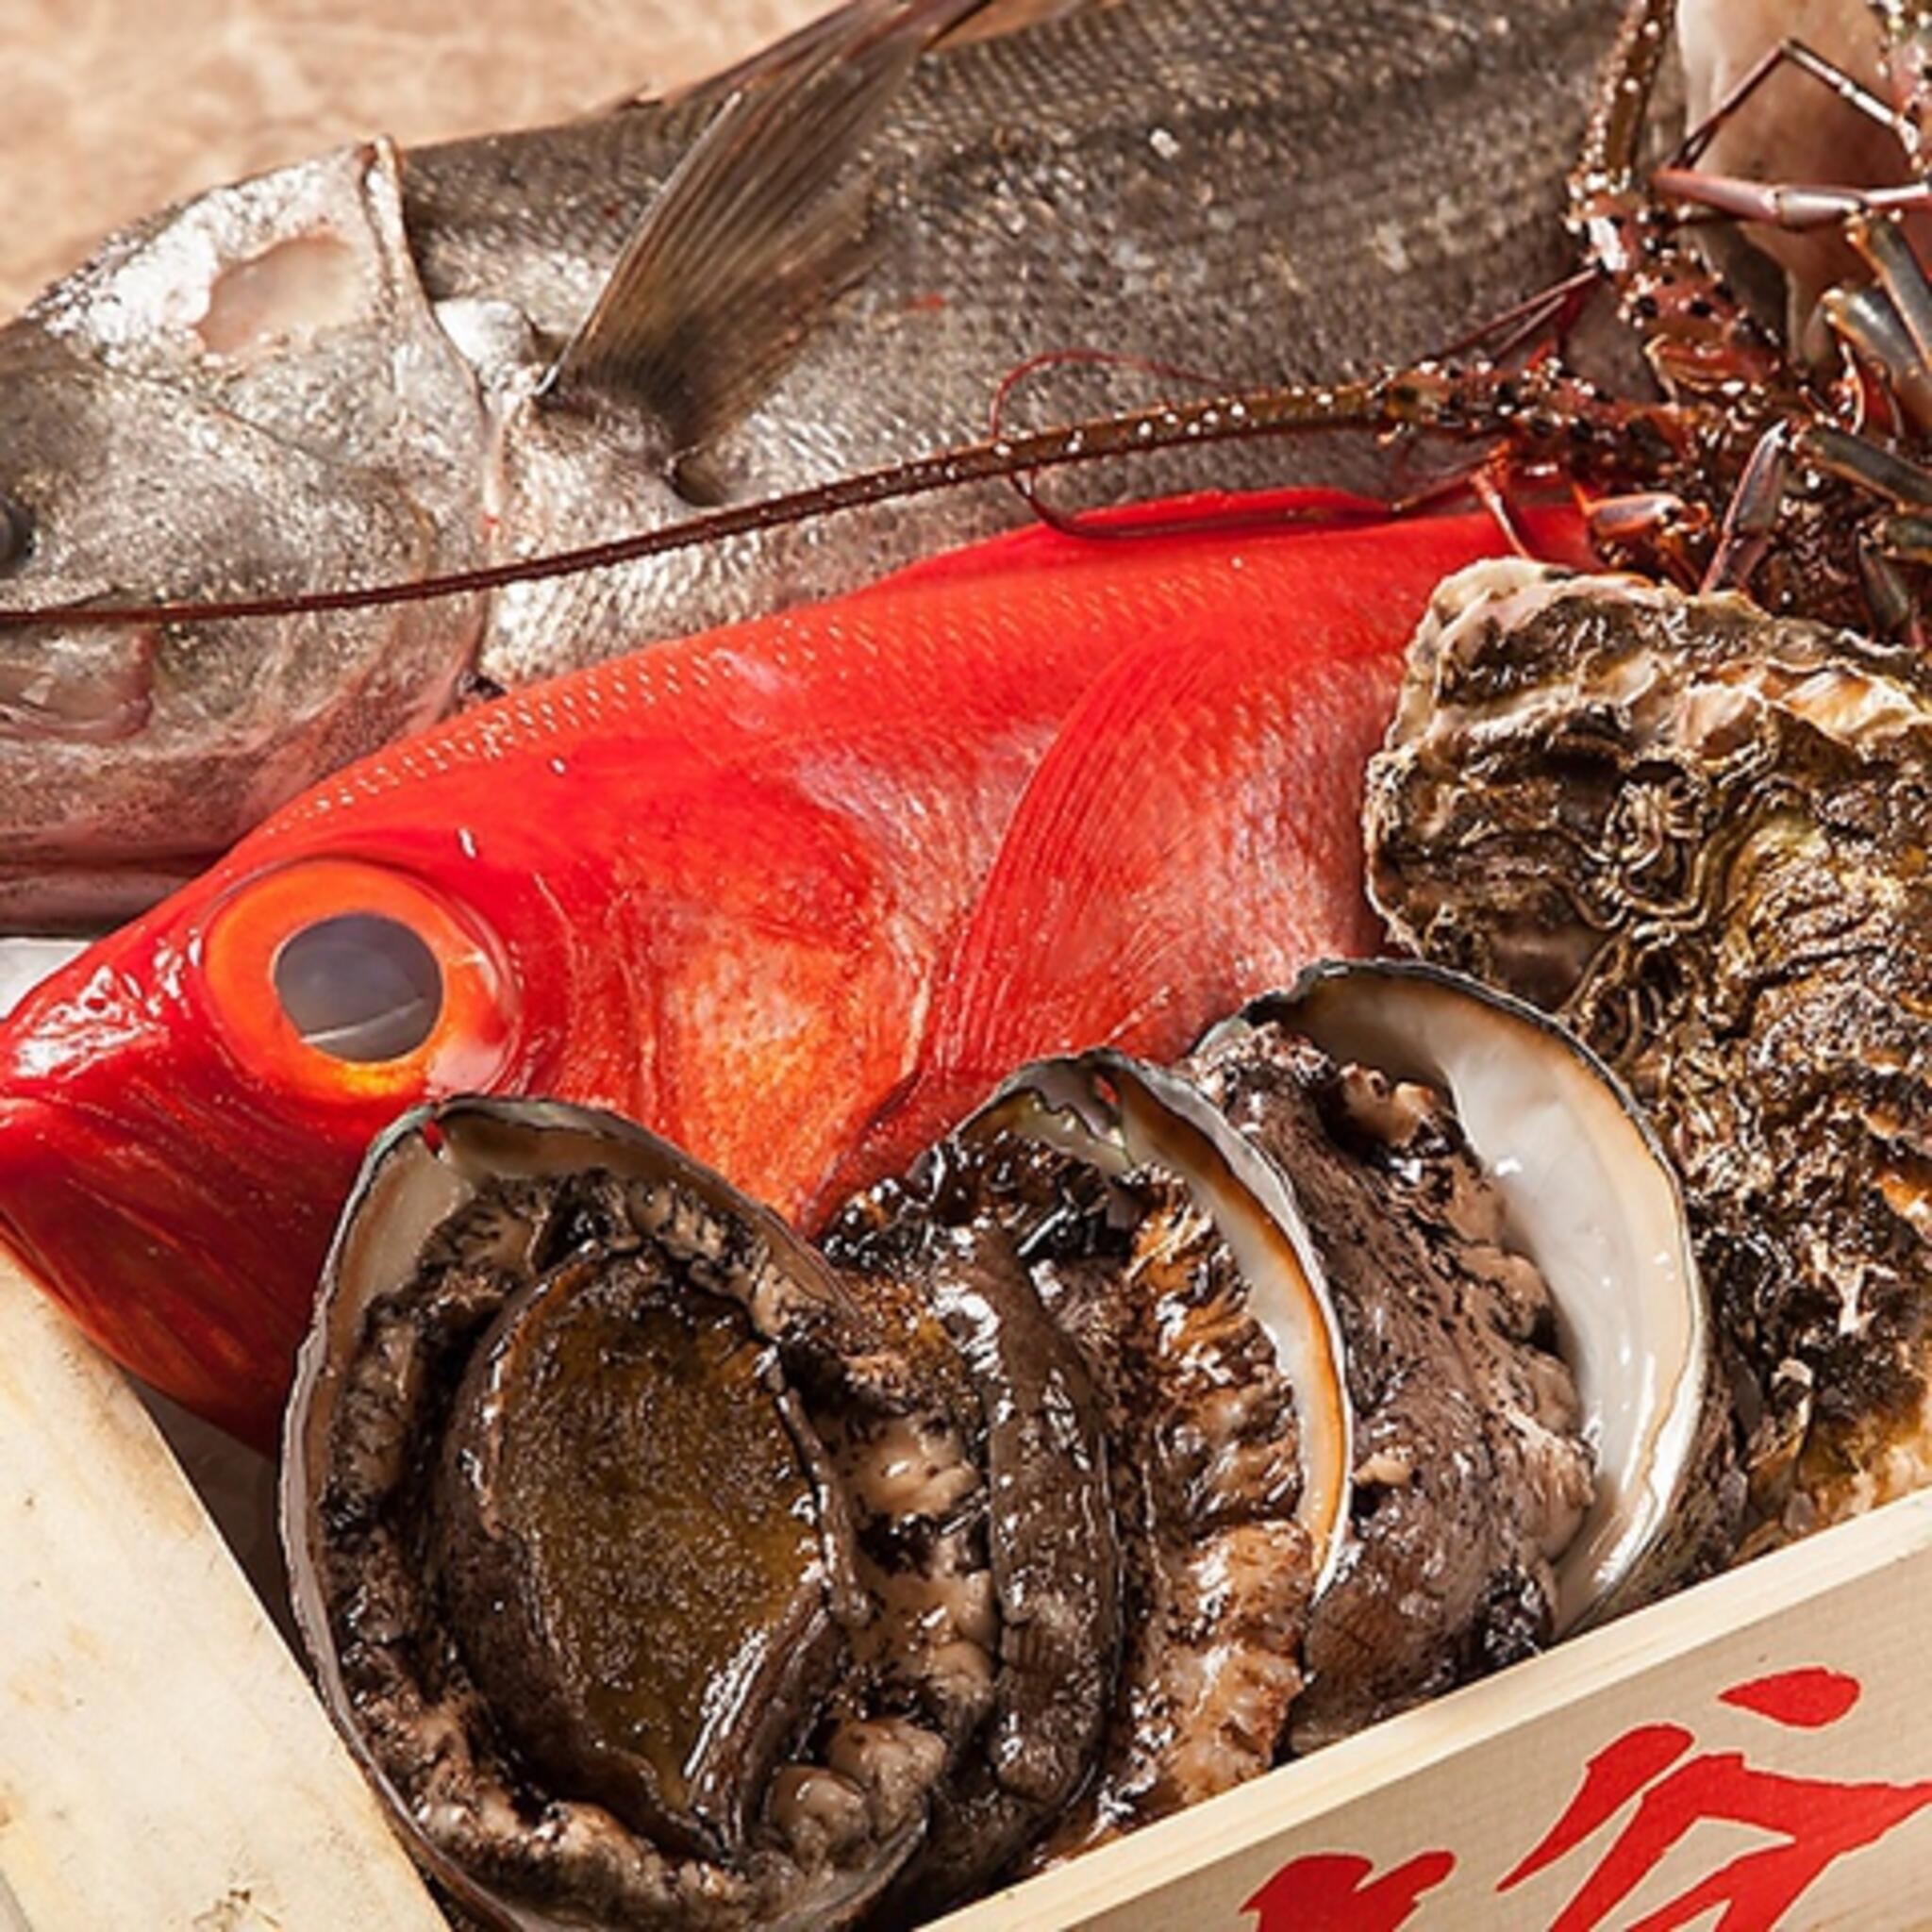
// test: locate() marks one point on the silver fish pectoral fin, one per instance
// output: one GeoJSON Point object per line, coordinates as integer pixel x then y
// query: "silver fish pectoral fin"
{"type": "Point", "coordinates": [976, 20]}
{"type": "Point", "coordinates": [761, 225]}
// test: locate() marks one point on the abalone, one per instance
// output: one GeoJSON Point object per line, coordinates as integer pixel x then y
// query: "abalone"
{"type": "Point", "coordinates": [643, 1567]}
{"type": "Point", "coordinates": [1156, 1424]}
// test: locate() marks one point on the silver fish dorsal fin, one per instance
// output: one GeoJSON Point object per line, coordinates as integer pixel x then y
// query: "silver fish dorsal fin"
{"type": "Point", "coordinates": [940, 26]}
{"type": "Point", "coordinates": [760, 226]}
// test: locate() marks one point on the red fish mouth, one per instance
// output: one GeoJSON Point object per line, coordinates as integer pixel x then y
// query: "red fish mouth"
{"type": "Point", "coordinates": [107, 1227]}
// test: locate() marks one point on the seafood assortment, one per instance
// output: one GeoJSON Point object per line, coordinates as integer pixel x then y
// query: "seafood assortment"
{"type": "Point", "coordinates": [471, 353]}
{"type": "Point", "coordinates": [791, 872]}
{"type": "Point", "coordinates": [1076, 1479]}
{"type": "Point", "coordinates": [1695, 833]}
{"type": "Point", "coordinates": [846, 1490]}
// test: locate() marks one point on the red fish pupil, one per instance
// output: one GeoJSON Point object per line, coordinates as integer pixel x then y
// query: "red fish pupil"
{"type": "Point", "coordinates": [360, 986]}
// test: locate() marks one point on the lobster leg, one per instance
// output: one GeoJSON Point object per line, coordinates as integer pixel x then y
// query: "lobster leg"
{"type": "Point", "coordinates": [1888, 595]}
{"type": "Point", "coordinates": [1753, 514]}
{"type": "Point", "coordinates": [1891, 257]}
{"type": "Point", "coordinates": [1803, 59]}
{"type": "Point", "coordinates": [1787, 205]}
{"type": "Point", "coordinates": [1668, 532]}
{"type": "Point", "coordinates": [1908, 540]}
{"type": "Point", "coordinates": [1858, 460]}
{"type": "Point", "coordinates": [1869, 322]}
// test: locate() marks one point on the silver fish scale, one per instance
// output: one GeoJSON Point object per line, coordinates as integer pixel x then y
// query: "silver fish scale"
{"type": "Point", "coordinates": [324, 376]}
{"type": "Point", "coordinates": [1255, 190]}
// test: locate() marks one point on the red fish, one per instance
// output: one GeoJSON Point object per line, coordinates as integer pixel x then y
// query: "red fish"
{"type": "Point", "coordinates": [793, 893]}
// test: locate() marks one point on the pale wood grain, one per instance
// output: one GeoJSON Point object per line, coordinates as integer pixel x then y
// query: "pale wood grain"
{"type": "Point", "coordinates": [163, 1765]}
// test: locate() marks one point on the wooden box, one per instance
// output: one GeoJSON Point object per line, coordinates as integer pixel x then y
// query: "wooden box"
{"type": "Point", "coordinates": [1755, 1752]}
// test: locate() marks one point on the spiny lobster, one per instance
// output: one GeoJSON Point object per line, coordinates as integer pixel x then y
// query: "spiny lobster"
{"type": "Point", "coordinates": [1751, 470]}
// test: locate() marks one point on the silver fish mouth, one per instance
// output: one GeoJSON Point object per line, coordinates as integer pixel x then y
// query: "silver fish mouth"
{"type": "Point", "coordinates": [60, 896]}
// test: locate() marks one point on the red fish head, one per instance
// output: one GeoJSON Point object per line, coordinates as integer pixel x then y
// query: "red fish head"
{"type": "Point", "coordinates": [699, 894]}
{"type": "Point", "coordinates": [712, 951]}
{"type": "Point", "coordinates": [183, 1111]}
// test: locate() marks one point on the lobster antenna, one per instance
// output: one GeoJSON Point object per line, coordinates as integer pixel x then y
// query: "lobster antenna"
{"type": "Point", "coordinates": [1237, 416]}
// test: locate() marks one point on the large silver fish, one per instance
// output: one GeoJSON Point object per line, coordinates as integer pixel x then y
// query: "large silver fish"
{"type": "Point", "coordinates": [380, 365]}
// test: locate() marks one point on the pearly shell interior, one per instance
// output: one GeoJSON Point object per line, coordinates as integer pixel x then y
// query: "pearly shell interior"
{"type": "Point", "coordinates": [1591, 1200]}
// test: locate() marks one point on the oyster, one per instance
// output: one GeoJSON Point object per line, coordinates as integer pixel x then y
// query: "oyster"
{"type": "Point", "coordinates": [1697, 834]}
{"type": "Point", "coordinates": [663, 1569]}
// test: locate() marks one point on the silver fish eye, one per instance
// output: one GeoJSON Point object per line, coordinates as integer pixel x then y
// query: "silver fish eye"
{"type": "Point", "coordinates": [16, 530]}
{"type": "Point", "coordinates": [360, 986]}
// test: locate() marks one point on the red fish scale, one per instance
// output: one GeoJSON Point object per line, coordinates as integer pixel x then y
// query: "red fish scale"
{"type": "Point", "coordinates": [793, 893]}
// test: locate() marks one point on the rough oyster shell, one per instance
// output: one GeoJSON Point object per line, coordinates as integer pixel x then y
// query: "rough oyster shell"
{"type": "Point", "coordinates": [1697, 834]}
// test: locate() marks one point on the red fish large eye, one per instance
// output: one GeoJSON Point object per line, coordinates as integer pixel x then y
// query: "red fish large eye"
{"type": "Point", "coordinates": [360, 986]}
{"type": "Point", "coordinates": [353, 983]}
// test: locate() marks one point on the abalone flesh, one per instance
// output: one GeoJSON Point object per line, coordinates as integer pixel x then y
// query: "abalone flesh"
{"type": "Point", "coordinates": [1158, 1425]}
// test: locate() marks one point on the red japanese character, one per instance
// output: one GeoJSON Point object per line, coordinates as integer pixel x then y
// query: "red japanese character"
{"type": "Point", "coordinates": [1325, 1892]}
{"type": "Point", "coordinates": [1808, 1699]}
{"type": "Point", "coordinates": [1816, 1820]}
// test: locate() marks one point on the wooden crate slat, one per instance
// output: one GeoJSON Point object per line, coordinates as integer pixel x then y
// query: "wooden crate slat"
{"type": "Point", "coordinates": [1482, 1774]}
{"type": "Point", "coordinates": [164, 1766]}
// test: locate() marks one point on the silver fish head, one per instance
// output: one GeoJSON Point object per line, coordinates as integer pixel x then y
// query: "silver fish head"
{"type": "Point", "coordinates": [248, 395]}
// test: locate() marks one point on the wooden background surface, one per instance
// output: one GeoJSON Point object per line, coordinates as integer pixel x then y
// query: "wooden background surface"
{"type": "Point", "coordinates": [113, 108]}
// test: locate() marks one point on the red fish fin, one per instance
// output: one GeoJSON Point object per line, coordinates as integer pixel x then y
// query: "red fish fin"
{"type": "Point", "coordinates": [1214, 794]}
